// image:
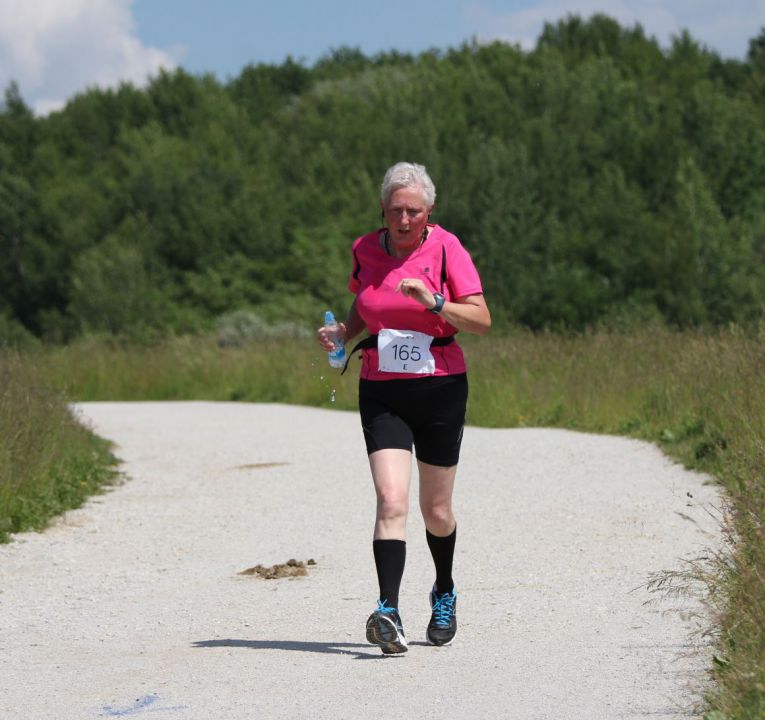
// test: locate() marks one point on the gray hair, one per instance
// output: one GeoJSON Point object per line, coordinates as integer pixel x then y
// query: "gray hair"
{"type": "Point", "coordinates": [405, 175]}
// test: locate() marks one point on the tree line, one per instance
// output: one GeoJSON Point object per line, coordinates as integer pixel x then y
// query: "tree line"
{"type": "Point", "coordinates": [598, 178]}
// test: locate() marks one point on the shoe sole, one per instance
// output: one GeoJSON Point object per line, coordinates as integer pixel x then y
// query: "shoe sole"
{"type": "Point", "coordinates": [439, 644]}
{"type": "Point", "coordinates": [383, 632]}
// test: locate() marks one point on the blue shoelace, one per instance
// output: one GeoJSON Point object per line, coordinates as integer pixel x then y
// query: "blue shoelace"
{"type": "Point", "coordinates": [443, 609]}
{"type": "Point", "coordinates": [382, 607]}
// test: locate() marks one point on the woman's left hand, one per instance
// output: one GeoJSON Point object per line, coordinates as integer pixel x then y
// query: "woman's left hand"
{"type": "Point", "coordinates": [417, 290]}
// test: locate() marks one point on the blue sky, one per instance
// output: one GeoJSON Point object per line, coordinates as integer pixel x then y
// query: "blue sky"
{"type": "Point", "coordinates": [56, 48]}
{"type": "Point", "coordinates": [225, 36]}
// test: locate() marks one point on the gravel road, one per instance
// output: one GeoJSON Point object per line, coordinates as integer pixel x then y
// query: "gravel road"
{"type": "Point", "coordinates": [133, 606]}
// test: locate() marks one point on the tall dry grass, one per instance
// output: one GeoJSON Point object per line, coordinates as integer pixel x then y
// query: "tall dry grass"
{"type": "Point", "coordinates": [198, 368]}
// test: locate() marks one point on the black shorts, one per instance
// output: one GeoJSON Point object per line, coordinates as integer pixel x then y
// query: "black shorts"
{"type": "Point", "coordinates": [428, 412]}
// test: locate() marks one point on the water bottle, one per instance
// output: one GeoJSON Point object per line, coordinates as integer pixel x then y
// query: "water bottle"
{"type": "Point", "coordinates": [336, 356]}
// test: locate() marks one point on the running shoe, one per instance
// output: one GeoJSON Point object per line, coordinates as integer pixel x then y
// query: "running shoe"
{"type": "Point", "coordinates": [443, 622]}
{"type": "Point", "coordinates": [384, 629]}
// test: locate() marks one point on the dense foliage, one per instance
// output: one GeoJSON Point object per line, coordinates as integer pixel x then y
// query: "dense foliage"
{"type": "Point", "coordinates": [596, 179]}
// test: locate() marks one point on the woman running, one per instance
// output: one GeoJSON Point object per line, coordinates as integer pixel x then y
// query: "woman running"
{"type": "Point", "coordinates": [415, 288]}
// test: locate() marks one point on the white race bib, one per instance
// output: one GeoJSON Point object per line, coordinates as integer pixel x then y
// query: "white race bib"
{"type": "Point", "coordinates": [405, 351]}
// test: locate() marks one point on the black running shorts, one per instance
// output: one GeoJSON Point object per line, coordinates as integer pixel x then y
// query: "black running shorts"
{"type": "Point", "coordinates": [427, 412]}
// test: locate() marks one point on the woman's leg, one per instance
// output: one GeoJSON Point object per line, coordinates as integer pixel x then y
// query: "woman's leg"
{"type": "Point", "coordinates": [436, 488]}
{"type": "Point", "coordinates": [391, 474]}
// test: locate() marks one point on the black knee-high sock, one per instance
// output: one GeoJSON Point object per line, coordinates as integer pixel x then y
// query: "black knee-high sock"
{"type": "Point", "coordinates": [390, 557]}
{"type": "Point", "coordinates": [442, 550]}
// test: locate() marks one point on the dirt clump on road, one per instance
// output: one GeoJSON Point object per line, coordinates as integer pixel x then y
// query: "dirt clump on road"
{"type": "Point", "coordinates": [259, 465]}
{"type": "Point", "coordinates": [292, 568]}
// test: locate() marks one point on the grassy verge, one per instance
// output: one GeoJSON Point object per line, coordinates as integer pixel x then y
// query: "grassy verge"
{"type": "Point", "coordinates": [701, 396]}
{"type": "Point", "coordinates": [272, 370]}
{"type": "Point", "coordinates": [49, 463]}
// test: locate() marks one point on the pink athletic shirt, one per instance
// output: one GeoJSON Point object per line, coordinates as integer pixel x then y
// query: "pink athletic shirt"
{"type": "Point", "coordinates": [375, 276]}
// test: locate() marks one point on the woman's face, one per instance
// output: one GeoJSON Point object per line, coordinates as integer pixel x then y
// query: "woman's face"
{"type": "Point", "coordinates": [406, 216]}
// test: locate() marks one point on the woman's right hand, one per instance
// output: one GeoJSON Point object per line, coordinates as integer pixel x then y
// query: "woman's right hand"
{"type": "Point", "coordinates": [326, 336]}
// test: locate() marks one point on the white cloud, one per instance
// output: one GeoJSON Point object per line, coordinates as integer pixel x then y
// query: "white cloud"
{"type": "Point", "coordinates": [56, 48]}
{"type": "Point", "coordinates": [724, 27]}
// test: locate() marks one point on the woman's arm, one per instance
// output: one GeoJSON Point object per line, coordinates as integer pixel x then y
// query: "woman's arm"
{"type": "Point", "coordinates": [469, 313]}
{"type": "Point", "coordinates": [353, 324]}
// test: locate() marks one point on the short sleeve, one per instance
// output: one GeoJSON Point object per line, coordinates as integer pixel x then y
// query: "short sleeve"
{"type": "Point", "coordinates": [353, 281]}
{"type": "Point", "coordinates": [461, 274]}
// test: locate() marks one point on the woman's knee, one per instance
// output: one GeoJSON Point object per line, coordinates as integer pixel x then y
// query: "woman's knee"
{"type": "Point", "coordinates": [438, 516]}
{"type": "Point", "coordinates": [392, 503]}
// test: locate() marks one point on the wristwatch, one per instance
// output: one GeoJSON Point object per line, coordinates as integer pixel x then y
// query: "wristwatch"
{"type": "Point", "coordinates": [440, 300]}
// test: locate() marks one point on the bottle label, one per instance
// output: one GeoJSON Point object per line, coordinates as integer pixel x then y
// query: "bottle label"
{"type": "Point", "coordinates": [405, 351]}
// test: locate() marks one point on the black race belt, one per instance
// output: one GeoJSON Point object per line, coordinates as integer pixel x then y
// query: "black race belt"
{"type": "Point", "coordinates": [370, 342]}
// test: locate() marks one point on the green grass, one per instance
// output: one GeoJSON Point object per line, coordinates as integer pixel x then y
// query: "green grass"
{"type": "Point", "coordinates": [701, 396]}
{"type": "Point", "coordinates": [49, 462]}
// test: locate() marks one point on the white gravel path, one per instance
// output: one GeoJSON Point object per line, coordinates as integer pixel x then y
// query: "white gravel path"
{"type": "Point", "coordinates": [132, 605]}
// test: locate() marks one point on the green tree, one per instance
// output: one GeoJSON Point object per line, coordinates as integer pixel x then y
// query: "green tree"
{"type": "Point", "coordinates": [112, 292]}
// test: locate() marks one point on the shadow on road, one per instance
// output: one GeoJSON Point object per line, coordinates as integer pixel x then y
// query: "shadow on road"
{"type": "Point", "coordinates": [330, 648]}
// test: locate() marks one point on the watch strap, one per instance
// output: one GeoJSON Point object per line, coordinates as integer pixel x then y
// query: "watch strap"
{"type": "Point", "coordinates": [440, 300]}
